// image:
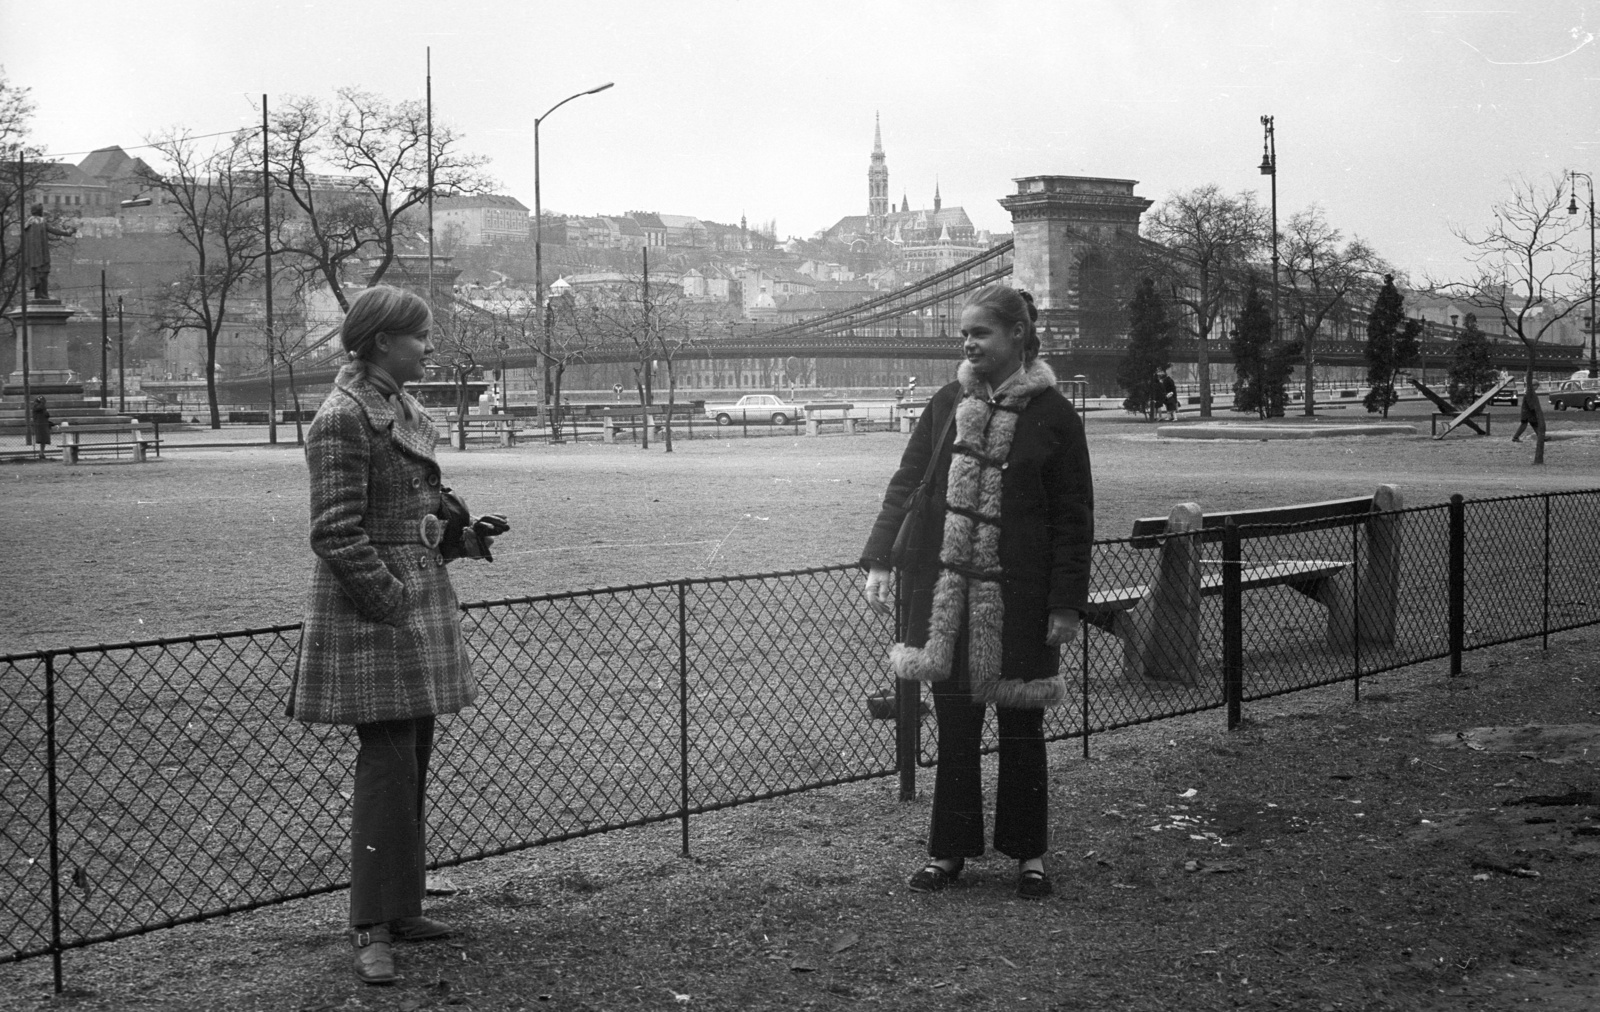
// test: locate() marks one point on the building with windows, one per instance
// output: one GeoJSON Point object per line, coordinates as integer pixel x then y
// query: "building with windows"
{"type": "Point", "coordinates": [483, 219]}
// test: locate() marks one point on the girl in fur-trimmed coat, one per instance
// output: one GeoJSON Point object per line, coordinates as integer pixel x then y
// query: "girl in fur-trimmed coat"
{"type": "Point", "coordinates": [381, 647]}
{"type": "Point", "coordinates": [997, 584]}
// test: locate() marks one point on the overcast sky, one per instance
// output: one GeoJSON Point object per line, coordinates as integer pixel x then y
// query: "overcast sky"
{"type": "Point", "coordinates": [1399, 118]}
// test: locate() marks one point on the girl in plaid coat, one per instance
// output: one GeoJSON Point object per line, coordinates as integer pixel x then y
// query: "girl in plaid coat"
{"type": "Point", "coordinates": [382, 647]}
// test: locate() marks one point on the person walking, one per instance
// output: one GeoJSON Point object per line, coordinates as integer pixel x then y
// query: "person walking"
{"type": "Point", "coordinates": [1168, 393]}
{"type": "Point", "coordinates": [1527, 415]}
{"type": "Point", "coordinates": [993, 584]}
{"type": "Point", "coordinates": [381, 647]}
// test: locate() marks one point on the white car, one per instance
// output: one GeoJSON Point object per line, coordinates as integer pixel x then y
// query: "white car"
{"type": "Point", "coordinates": [762, 408]}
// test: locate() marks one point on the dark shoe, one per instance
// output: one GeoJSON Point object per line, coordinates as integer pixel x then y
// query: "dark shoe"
{"type": "Point", "coordinates": [932, 878]}
{"type": "Point", "coordinates": [1034, 884]}
{"type": "Point", "coordinates": [374, 958]}
{"type": "Point", "coordinates": [418, 929]}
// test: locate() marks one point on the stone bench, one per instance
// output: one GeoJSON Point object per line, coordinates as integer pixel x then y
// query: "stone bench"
{"type": "Point", "coordinates": [1159, 622]}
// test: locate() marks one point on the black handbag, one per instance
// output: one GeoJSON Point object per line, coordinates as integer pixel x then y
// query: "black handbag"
{"type": "Point", "coordinates": [925, 502]}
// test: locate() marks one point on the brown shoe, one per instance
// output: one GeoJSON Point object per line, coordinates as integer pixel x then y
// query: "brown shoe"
{"type": "Point", "coordinates": [417, 929]}
{"type": "Point", "coordinates": [374, 958]}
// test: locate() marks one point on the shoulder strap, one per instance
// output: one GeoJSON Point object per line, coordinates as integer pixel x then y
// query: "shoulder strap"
{"type": "Point", "coordinates": [938, 444]}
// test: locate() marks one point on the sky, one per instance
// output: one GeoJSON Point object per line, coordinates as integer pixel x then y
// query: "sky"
{"type": "Point", "coordinates": [1402, 120]}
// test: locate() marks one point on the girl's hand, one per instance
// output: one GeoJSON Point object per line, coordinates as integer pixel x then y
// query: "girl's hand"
{"type": "Point", "coordinates": [1063, 627]}
{"type": "Point", "coordinates": [880, 590]}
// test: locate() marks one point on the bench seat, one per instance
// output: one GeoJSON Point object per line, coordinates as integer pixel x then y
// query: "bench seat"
{"type": "Point", "coordinates": [1103, 603]}
{"type": "Point", "coordinates": [1159, 622]}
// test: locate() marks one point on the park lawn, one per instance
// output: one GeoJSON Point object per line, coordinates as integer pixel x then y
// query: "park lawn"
{"type": "Point", "coordinates": [1329, 857]}
{"type": "Point", "coordinates": [1312, 906]}
{"type": "Point", "coordinates": [214, 539]}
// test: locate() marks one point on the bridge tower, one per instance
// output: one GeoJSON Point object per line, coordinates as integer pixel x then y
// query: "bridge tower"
{"type": "Point", "coordinates": [877, 182]}
{"type": "Point", "coordinates": [1063, 226]}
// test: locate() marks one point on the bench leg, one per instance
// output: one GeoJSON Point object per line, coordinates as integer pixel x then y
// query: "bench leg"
{"type": "Point", "coordinates": [1161, 634]}
{"type": "Point", "coordinates": [811, 426]}
{"type": "Point", "coordinates": [69, 453]}
{"type": "Point", "coordinates": [849, 426]}
{"type": "Point", "coordinates": [608, 431]}
{"type": "Point", "coordinates": [905, 425]}
{"type": "Point", "coordinates": [1377, 597]}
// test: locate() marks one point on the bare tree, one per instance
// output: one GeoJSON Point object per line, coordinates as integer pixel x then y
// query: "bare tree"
{"type": "Point", "coordinates": [1527, 264]}
{"type": "Point", "coordinates": [379, 150]}
{"type": "Point", "coordinates": [216, 200]}
{"type": "Point", "coordinates": [1321, 273]}
{"type": "Point", "coordinates": [464, 338]}
{"type": "Point", "coordinates": [1207, 239]}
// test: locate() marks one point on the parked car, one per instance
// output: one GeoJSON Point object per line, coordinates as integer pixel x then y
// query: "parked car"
{"type": "Point", "coordinates": [1576, 393]}
{"type": "Point", "coordinates": [1511, 393]}
{"type": "Point", "coordinates": [756, 408]}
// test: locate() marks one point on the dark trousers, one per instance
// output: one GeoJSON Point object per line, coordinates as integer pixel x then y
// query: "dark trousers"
{"type": "Point", "coordinates": [388, 866]}
{"type": "Point", "coordinates": [1021, 813]}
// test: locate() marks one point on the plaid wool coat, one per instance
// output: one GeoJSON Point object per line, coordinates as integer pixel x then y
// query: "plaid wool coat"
{"type": "Point", "coordinates": [382, 635]}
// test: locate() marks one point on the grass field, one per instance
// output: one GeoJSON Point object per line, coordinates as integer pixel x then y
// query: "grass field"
{"type": "Point", "coordinates": [215, 539]}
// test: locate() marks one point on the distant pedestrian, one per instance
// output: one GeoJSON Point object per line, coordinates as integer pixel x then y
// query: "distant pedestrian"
{"type": "Point", "coordinates": [1528, 416]}
{"type": "Point", "coordinates": [994, 582]}
{"type": "Point", "coordinates": [381, 646]}
{"type": "Point", "coordinates": [1169, 394]}
{"type": "Point", "coordinates": [41, 421]}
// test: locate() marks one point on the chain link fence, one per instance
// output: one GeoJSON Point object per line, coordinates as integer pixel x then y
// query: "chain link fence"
{"type": "Point", "coordinates": [155, 783]}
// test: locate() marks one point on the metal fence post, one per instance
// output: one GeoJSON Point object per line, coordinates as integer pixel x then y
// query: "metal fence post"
{"type": "Point", "coordinates": [1232, 623]}
{"type": "Point", "coordinates": [1083, 633]}
{"type": "Point", "coordinates": [1458, 581]}
{"type": "Point", "coordinates": [1544, 642]}
{"type": "Point", "coordinates": [907, 712]}
{"type": "Point", "coordinates": [55, 815]}
{"type": "Point", "coordinates": [683, 709]}
{"type": "Point", "coordinates": [1355, 602]}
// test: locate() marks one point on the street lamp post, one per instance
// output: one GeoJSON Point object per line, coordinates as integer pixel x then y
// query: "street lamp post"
{"type": "Point", "coordinates": [1269, 167]}
{"type": "Point", "coordinates": [122, 389]}
{"type": "Point", "coordinates": [1572, 208]}
{"type": "Point", "coordinates": [538, 236]}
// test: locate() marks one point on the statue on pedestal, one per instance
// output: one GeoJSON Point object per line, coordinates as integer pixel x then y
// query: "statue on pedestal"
{"type": "Point", "coordinates": [36, 233]}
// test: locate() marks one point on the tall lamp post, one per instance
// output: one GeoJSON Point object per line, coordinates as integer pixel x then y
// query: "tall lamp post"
{"type": "Point", "coordinates": [538, 236]}
{"type": "Point", "coordinates": [1572, 208]}
{"type": "Point", "coordinates": [1269, 167]}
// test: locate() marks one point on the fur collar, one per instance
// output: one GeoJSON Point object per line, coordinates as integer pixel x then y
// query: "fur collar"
{"type": "Point", "coordinates": [1035, 379]}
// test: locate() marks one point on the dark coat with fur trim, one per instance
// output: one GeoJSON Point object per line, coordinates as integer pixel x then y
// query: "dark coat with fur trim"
{"type": "Point", "coordinates": [1045, 537]}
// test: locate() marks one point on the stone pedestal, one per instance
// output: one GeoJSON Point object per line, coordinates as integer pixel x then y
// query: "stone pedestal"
{"type": "Point", "coordinates": [47, 359]}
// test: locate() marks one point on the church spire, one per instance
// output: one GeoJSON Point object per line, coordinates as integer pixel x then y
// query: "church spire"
{"type": "Point", "coordinates": [877, 181]}
{"type": "Point", "coordinates": [936, 193]}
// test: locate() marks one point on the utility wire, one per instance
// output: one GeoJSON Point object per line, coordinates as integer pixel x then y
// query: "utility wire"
{"type": "Point", "coordinates": [250, 132]}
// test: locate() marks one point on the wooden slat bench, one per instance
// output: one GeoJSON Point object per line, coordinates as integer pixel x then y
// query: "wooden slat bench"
{"type": "Point", "coordinates": [503, 428]}
{"type": "Point", "coordinates": [614, 418]}
{"type": "Point", "coordinates": [829, 411]}
{"type": "Point", "coordinates": [122, 435]}
{"type": "Point", "coordinates": [909, 412]}
{"type": "Point", "coordinates": [1159, 622]}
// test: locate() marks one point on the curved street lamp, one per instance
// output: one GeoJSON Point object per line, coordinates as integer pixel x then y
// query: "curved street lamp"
{"type": "Point", "coordinates": [1572, 208]}
{"type": "Point", "coordinates": [538, 235]}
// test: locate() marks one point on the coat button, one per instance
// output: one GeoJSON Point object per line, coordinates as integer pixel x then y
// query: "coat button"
{"type": "Point", "coordinates": [433, 480]}
{"type": "Point", "coordinates": [416, 482]}
{"type": "Point", "coordinates": [422, 562]}
{"type": "Point", "coordinates": [439, 562]}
